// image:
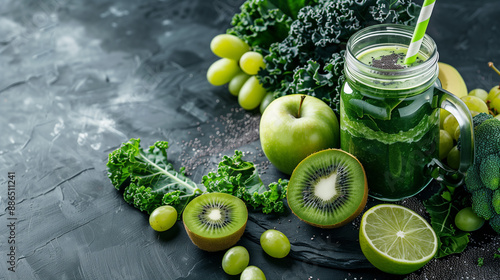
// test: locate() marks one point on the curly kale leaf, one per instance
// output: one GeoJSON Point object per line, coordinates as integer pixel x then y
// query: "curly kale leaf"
{"type": "Point", "coordinates": [291, 7]}
{"type": "Point", "coordinates": [271, 200]}
{"type": "Point", "coordinates": [260, 23]}
{"type": "Point", "coordinates": [395, 11]}
{"type": "Point", "coordinates": [307, 78]}
{"type": "Point", "coordinates": [147, 179]}
{"type": "Point", "coordinates": [310, 59]}
{"type": "Point", "coordinates": [241, 179]}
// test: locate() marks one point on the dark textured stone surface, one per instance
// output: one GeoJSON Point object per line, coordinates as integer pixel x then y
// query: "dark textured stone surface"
{"type": "Point", "coordinates": [80, 77]}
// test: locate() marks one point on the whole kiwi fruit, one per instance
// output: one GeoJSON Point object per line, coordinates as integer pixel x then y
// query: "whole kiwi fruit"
{"type": "Point", "coordinates": [328, 189]}
{"type": "Point", "coordinates": [215, 221]}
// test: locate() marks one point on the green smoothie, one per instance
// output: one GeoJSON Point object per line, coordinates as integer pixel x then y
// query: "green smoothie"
{"type": "Point", "coordinates": [388, 57]}
{"type": "Point", "coordinates": [391, 127]}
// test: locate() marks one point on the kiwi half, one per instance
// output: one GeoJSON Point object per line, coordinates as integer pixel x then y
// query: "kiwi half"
{"type": "Point", "coordinates": [215, 221]}
{"type": "Point", "coordinates": [328, 189]}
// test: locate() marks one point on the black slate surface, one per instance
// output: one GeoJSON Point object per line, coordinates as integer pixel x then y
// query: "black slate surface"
{"type": "Point", "coordinates": [80, 77]}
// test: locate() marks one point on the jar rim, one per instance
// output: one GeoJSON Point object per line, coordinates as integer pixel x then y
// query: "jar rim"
{"type": "Point", "coordinates": [383, 34]}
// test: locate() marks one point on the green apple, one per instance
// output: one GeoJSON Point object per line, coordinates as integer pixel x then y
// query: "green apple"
{"type": "Point", "coordinates": [295, 126]}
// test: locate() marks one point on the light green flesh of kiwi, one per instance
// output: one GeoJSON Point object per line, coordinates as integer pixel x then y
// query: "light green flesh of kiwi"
{"type": "Point", "coordinates": [215, 215]}
{"type": "Point", "coordinates": [327, 188]}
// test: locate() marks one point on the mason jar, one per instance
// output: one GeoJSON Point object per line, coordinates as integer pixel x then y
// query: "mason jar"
{"type": "Point", "coordinates": [389, 113]}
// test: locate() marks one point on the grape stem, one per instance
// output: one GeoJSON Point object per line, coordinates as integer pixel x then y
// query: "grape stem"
{"type": "Point", "coordinates": [490, 64]}
{"type": "Point", "coordinates": [300, 104]}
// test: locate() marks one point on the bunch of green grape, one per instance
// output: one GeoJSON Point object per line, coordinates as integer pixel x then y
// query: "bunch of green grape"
{"type": "Point", "coordinates": [238, 66]}
{"type": "Point", "coordinates": [478, 101]}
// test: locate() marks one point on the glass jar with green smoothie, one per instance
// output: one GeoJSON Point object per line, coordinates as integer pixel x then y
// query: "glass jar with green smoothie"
{"type": "Point", "coordinates": [389, 113]}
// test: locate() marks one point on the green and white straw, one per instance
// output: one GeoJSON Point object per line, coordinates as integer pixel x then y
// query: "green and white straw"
{"type": "Point", "coordinates": [418, 34]}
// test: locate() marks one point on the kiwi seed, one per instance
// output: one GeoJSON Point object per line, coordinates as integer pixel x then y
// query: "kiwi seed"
{"type": "Point", "coordinates": [328, 189]}
{"type": "Point", "coordinates": [215, 221]}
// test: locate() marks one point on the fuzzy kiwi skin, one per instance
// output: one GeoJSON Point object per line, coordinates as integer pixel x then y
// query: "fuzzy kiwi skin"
{"type": "Point", "coordinates": [215, 244]}
{"type": "Point", "coordinates": [354, 214]}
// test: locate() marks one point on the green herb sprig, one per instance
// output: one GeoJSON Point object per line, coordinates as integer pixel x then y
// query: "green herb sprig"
{"type": "Point", "coordinates": [442, 208]}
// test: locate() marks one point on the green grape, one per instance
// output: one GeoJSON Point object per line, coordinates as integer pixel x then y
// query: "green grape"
{"type": "Point", "coordinates": [497, 117]}
{"type": "Point", "coordinates": [235, 260]}
{"type": "Point", "coordinates": [450, 124]}
{"type": "Point", "coordinates": [237, 82]}
{"type": "Point", "coordinates": [475, 103]}
{"type": "Point", "coordinates": [442, 116]}
{"type": "Point", "coordinates": [163, 218]}
{"type": "Point", "coordinates": [456, 135]}
{"type": "Point", "coordinates": [467, 220]}
{"type": "Point", "coordinates": [275, 243]}
{"type": "Point", "coordinates": [453, 158]}
{"type": "Point", "coordinates": [251, 62]}
{"type": "Point", "coordinates": [445, 143]}
{"type": "Point", "coordinates": [251, 94]}
{"type": "Point", "coordinates": [493, 94]}
{"type": "Point", "coordinates": [266, 101]}
{"type": "Point", "coordinates": [495, 105]}
{"type": "Point", "coordinates": [228, 46]}
{"type": "Point", "coordinates": [479, 92]}
{"type": "Point", "coordinates": [222, 71]}
{"type": "Point", "coordinates": [252, 273]}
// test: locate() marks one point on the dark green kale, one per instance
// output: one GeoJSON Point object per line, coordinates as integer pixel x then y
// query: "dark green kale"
{"type": "Point", "coordinates": [148, 180]}
{"type": "Point", "coordinates": [260, 23]}
{"type": "Point", "coordinates": [310, 59]}
{"type": "Point", "coordinates": [292, 7]}
{"type": "Point", "coordinates": [241, 179]}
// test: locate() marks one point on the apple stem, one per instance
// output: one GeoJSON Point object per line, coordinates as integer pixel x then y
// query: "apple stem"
{"type": "Point", "coordinates": [300, 104]}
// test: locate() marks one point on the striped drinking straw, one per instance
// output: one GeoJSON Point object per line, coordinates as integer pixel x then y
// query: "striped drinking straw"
{"type": "Point", "coordinates": [419, 32]}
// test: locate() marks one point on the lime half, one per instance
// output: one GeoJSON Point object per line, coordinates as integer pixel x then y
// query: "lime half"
{"type": "Point", "coordinates": [395, 239]}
